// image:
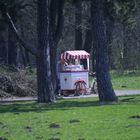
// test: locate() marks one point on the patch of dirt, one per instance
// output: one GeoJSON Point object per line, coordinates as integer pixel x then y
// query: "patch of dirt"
{"type": "Point", "coordinates": [81, 139]}
{"type": "Point", "coordinates": [54, 139]}
{"type": "Point", "coordinates": [2, 125]}
{"type": "Point", "coordinates": [35, 118]}
{"type": "Point", "coordinates": [39, 137]}
{"type": "Point", "coordinates": [55, 134]}
{"type": "Point", "coordinates": [14, 109]}
{"type": "Point", "coordinates": [134, 125]}
{"type": "Point", "coordinates": [127, 99]}
{"type": "Point", "coordinates": [123, 86]}
{"type": "Point", "coordinates": [16, 113]}
{"type": "Point", "coordinates": [28, 128]}
{"type": "Point", "coordinates": [74, 121]}
{"type": "Point", "coordinates": [54, 125]}
{"type": "Point", "coordinates": [135, 117]}
{"type": "Point", "coordinates": [6, 133]}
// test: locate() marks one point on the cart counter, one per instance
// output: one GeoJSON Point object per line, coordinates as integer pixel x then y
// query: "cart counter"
{"type": "Point", "coordinates": [68, 78]}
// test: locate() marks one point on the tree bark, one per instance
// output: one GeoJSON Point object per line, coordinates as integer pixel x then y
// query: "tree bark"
{"type": "Point", "coordinates": [125, 60]}
{"type": "Point", "coordinates": [56, 27]}
{"type": "Point", "coordinates": [109, 30]}
{"type": "Point", "coordinates": [12, 47]}
{"type": "Point", "coordinates": [88, 41]}
{"type": "Point", "coordinates": [78, 22]}
{"type": "Point", "coordinates": [105, 89]}
{"type": "Point", "coordinates": [27, 57]}
{"type": "Point", "coordinates": [45, 87]}
{"type": "Point", "coordinates": [109, 23]}
{"type": "Point", "coordinates": [23, 62]}
{"type": "Point", "coordinates": [3, 48]}
{"type": "Point", "coordinates": [87, 44]}
{"type": "Point", "coordinates": [25, 54]}
{"type": "Point", "coordinates": [53, 44]}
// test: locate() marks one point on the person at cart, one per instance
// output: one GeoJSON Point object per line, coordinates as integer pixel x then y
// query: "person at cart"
{"type": "Point", "coordinates": [60, 67]}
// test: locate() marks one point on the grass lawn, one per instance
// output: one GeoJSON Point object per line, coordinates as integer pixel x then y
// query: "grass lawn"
{"type": "Point", "coordinates": [71, 119]}
{"type": "Point", "coordinates": [127, 80]}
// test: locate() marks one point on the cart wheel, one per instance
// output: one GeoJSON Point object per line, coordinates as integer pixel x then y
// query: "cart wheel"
{"type": "Point", "coordinates": [80, 87]}
{"type": "Point", "coordinates": [64, 93]}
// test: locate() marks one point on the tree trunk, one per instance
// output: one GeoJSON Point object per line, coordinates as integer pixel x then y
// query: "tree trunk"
{"type": "Point", "coordinates": [109, 23]}
{"type": "Point", "coordinates": [56, 26]}
{"type": "Point", "coordinates": [109, 30]}
{"type": "Point", "coordinates": [125, 61]}
{"type": "Point", "coordinates": [88, 41]}
{"type": "Point", "coordinates": [27, 57]}
{"type": "Point", "coordinates": [53, 44]}
{"type": "Point", "coordinates": [45, 88]}
{"type": "Point", "coordinates": [78, 22]}
{"type": "Point", "coordinates": [23, 62]}
{"type": "Point", "coordinates": [3, 48]}
{"type": "Point", "coordinates": [87, 44]}
{"type": "Point", "coordinates": [25, 54]}
{"type": "Point", "coordinates": [105, 90]}
{"type": "Point", "coordinates": [12, 47]}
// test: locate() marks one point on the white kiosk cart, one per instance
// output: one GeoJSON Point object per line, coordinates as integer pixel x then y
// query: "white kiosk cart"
{"type": "Point", "coordinates": [74, 77]}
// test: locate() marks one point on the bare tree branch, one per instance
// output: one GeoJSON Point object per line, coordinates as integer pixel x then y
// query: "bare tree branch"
{"type": "Point", "coordinates": [28, 47]}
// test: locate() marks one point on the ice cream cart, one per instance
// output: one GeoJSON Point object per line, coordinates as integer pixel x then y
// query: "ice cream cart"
{"type": "Point", "coordinates": [74, 77]}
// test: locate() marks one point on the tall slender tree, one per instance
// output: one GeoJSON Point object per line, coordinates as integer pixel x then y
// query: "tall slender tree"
{"type": "Point", "coordinates": [56, 27]}
{"type": "Point", "coordinates": [12, 47]}
{"type": "Point", "coordinates": [105, 89]}
{"type": "Point", "coordinates": [3, 44]}
{"type": "Point", "coordinates": [78, 23]}
{"type": "Point", "coordinates": [45, 87]}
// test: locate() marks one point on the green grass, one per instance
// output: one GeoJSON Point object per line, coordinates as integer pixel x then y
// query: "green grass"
{"type": "Point", "coordinates": [127, 80]}
{"type": "Point", "coordinates": [71, 119]}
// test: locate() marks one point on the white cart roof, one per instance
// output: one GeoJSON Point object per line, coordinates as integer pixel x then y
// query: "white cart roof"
{"type": "Point", "coordinates": [77, 54]}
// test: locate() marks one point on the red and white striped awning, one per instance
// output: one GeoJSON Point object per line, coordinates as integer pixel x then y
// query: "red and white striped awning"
{"type": "Point", "coordinates": [77, 54]}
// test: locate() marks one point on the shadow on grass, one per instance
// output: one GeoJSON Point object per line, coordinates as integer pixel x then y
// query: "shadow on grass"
{"type": "Point", "coordinates": [62, 104]}
{"type": "Point", "coordinates": [130, 99]}
{"type": "Point", "coordinates": [32, 106]}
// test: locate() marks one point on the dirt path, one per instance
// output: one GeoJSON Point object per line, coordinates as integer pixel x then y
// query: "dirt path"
{"type": "Point", "coordinates": [118, 93]}
{"type": "Point", "coordinates": [127, 92]}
